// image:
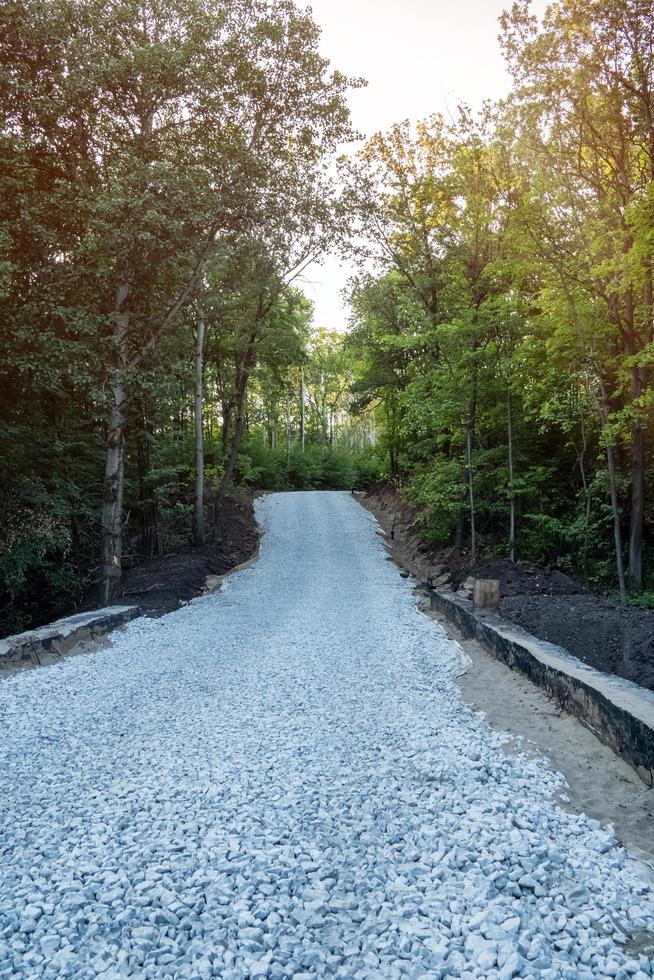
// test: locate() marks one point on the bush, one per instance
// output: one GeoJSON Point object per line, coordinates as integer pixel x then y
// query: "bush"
{"type": "Point", "coordinates": [317, 468]}
{"type": "Point", "coordinates": [261, 468]}
{"type": "Point", "coordinates": [44, 552]}
{"type": "Point", "coordinates": [438, 491]}
{"type": "Point", "coordinates": [369, 468]}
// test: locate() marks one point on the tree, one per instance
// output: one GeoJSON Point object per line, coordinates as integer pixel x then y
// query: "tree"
{"type": "Point", "coordinates": [165, 129]}
{"type": "Point", "coordinates": [427, 204]}
{"type": "Point", "coordinates": [584, 83]}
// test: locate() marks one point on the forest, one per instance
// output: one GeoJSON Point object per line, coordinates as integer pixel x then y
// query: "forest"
{"type": "Point", "coordinates": [169, 170]}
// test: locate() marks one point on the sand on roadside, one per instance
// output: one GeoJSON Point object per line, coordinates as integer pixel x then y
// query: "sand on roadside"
{"type": "Point", "coordinates": [600, 783]}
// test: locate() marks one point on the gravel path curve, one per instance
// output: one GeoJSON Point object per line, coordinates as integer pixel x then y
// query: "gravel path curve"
{"type": "Point", "coordinates": [281, 781]}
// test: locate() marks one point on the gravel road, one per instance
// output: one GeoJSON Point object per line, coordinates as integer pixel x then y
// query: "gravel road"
{"type": "Point", "coordinates": [281, 780]}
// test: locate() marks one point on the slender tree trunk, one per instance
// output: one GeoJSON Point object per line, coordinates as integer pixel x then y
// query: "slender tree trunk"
{"type": "Point", "coordinates": [617, 534]}
{"type": "Point", "coordinates": [112, 500]}
{"type": "Point", "coordinates": [613, 489]}
{"type": "Point", "coordinates": [637, 509]}
{"type": "Point", "coordinates": [288, 430]}
{"type": "Point", "coordinates": [637, 516]}
{"type": "Point", "coordinates": [584, 482]}
{"type": "Point", "coordinates": [324, 418]}
{"type": "Point", "coordinates": [393, 440]}
{"type": "Point", "coordinates": [473, 533]}
{"type": "Point", "coordinates": [584, 557]}
{"type": "Point", "coordinates": [470, 434]}
{"type": "Point", "coordinates": [226, 426]}
{"type": "Point", "coordinates": [239, 431]}
{"type": "Point", "coordinates": [114, 474]}
{"type": "Point", "coordinates": [302, 408]}
{"type": "Point", "coordinates": [150, 542]}
{"type": "Point", "coordinates": [458, 532]}
{"type": "Point", "coordinates": [511, 485]}
{"type": "Point", "coordinates": [602, 405]}
{"type": "Point", "coordinates": [240, 403]}
{"type": "Point", "coordinates": [199, 531]}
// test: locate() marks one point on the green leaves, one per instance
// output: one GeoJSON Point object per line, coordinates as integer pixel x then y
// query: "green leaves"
{"type": "Point", "coordinates": [140, 142]}
{"type": "Point", "coordinates": [506, 338]}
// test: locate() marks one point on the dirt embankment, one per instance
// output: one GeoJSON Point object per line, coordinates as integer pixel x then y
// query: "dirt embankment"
{"type": "Point", "coordinates": [542, 601]}
{"type": "Point", "coordinates": [160, 585]}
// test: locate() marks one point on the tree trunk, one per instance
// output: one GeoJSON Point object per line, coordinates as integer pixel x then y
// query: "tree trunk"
{"type": "Point", "coordinates": [231, 461]}
{"type": "Point", "coordinates": [473, 533]}
{"type": "Point", "coordinates": [587, 498]}
{"type": "Point", "coordinates": [637, 516]}
{"type": "Point", "coordinates": [243, 377]}
{"type": "Point", "coordinates": [199, 532]}
{"type": "Point", "coordinates": [460, 522]}
{"type": "Point", "coordinates": [324, 420]}
{"type": "Point", "coordinates": [150, 544]}
{"type": "Point", "coordinates": [613, 489]}
{"type": "Point", "coordinates": [288, 430]}
{"type": "Point", "coordinates": [617, 534]}
{"type": "Point", "coordinates": [302, 408]}
{"type": "Point", "coordinates": [226, 426]}
{"type": "Point", "coordinates": [637, 510]}
{"type": "Point", "coordinates": [470, 433]}
{"type": "Point", "coordinates": [114, 474]}
{"type": "Point", "coordinates": [392, 414]}
{"type": "Point", "coordinates": [511, 486]}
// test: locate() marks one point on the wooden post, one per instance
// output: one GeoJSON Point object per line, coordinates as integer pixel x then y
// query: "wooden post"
{"type": "Point", "coordinates": [486, 593]}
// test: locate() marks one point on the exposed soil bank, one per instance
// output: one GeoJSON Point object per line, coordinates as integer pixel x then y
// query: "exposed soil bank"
{"type": "Point", "coordinates": [600, 783]}
{"type": "Point", "coordinates": [545, 602]}
{"type": "Point", "coordinates": [160, 585]}
{"type": "Point", "coordinates": [152, 587]}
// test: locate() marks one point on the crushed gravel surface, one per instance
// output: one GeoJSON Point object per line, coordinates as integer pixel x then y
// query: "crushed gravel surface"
{"type": "Point", "coordinates": [281, 780]}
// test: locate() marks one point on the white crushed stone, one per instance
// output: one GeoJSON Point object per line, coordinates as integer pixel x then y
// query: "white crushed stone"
{"type": "Point", "coordinates": [282, 781]}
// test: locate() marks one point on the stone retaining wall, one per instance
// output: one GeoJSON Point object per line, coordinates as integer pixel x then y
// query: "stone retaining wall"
{"type": "Point", "coordinates": [620, 713]}
{"type": "Point", "coordinates": [47, 643]}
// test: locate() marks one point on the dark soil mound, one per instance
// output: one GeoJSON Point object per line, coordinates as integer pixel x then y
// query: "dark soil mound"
{"type": "Point", "coordinates": [160, 585]}
{"type": "Point", "coordinates": [543, 601]}
{"type": "Point", "coordinates": [603, 635]}
{"type": "Point", "coordinates": [516, 578]}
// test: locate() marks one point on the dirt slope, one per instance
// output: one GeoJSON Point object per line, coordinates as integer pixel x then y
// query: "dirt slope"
{"type": "Point", "coordinates": [545, 602]}
{"type": "Point", "coordinates": [159, 585]}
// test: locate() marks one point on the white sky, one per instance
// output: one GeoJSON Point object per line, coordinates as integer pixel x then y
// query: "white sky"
{"type": "Point", "coordinates": [419, 57]}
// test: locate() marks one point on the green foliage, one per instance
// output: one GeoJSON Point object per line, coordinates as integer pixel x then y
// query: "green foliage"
{"type": "Point", "coordinates": [370, 467]}
{"type": "Point", "coordinates": [506, 342]}
{"type": "Point", "coordinates": [45, 543]}
{"type": "Point", "coordinates": [317, 468]}
{"type": "Point", "coordinates": [159, 162]}
{"type": "Point", "coordinates": [642, 600]}
{"type": "Point", "coordinates": [262, 468]}
{"type": "Point", "coordinates": [438, 491]}
{"type": "Point", "coordinates": [166, 165]}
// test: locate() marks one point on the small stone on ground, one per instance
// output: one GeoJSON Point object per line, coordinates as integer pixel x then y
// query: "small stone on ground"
{"type": "Point", "coordinates": [281, 780]}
